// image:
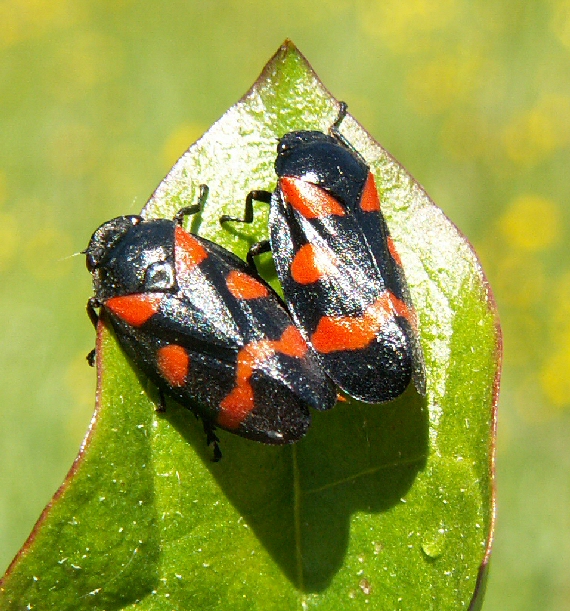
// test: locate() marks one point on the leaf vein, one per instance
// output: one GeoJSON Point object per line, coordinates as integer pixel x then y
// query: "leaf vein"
{"type": "Point", "coordinates": [371, 471]}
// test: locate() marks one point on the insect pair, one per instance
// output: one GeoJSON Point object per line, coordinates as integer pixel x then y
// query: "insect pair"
{"type": "Point", "coordinates": [211, 334]}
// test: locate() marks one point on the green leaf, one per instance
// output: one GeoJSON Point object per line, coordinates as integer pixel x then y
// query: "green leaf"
{"type": "Point", "coordinates": [379, 507]}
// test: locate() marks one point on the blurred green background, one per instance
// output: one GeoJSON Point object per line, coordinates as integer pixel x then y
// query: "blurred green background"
{"type": "Point", "coordinates": [99, 98]}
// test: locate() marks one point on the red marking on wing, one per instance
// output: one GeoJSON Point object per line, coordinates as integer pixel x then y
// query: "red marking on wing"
{"type": "Point", "coordinates": [393, 251]}
{"type": "Point", "coordinates": [136, 309]}
{"type": "Point", "coordinates": [188, 250]}
{"type": "Point", "coordinates": [308, 199]}
{"type": "Point", "coordinates": [243, 286]}
{"type": "Point", "coordinates": [292, 343]}
{"type": "Point", "coordinates": [173, 362]}
{"type": "Point", "coordinates": [240, 401]}
{"type": "Point", "coordinates": [370, 201]}
{"type": "Point", "coordinates": [311, 264]}
{"type": "Point", "coordinates": [336, 333]}
{"type": "Point", "coordinates": [236, 406]}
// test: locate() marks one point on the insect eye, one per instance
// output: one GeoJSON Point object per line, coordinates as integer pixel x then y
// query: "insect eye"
{"type": "Point", "coordinates": [159, 277]}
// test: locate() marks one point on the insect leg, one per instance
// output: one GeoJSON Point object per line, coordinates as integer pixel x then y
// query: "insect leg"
{"type": "Point", "coordinates": [258, 196]}
{"type": "Point", "coordinates": [189, 210]}
{"type": "Point", "coordinates": [162, 402]}
{"type": "Point", "coordinates": [334, 131]}
{"type": "Point", "coordinates": [92, 304]}
{"type": "Point", "coordinates": [212, 438]}
{"type": "Point", "coordinates": [257, 249]}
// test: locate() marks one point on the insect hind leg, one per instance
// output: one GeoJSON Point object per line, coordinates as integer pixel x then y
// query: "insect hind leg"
{"type": "Point", "coordinates": [257, 249]}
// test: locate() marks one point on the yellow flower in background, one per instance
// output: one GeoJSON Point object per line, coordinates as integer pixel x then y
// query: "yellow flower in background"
{"type": "Point", "coordinates": [555, 376]}
{"type": "Point", "coordinates": [555, 372]}
{"type": "Point", "coordinates": [560, 21]}
{"type": "Point", "coordinates": [435, 86]}
{"type": "Point", "coordinates": [533, 135]}
{"type": "Point", "coordinates": [9, 231]}
{"type": "Point", "coordinates": [180, 140]}
{"type": "Point", "coordinates": [21, 20]}
{"type": "Point", "coordinates": [532, 223]}
{"type": "Point", "coordinates": [405, 27]}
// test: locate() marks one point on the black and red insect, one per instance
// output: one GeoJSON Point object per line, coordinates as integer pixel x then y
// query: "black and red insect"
{"type": "Point", "coordinates": [202, 325]}
{"type": "Point", "coordinates": [339, 269]}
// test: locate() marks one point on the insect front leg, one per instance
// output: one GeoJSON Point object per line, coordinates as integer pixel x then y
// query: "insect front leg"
{"type": "Point", "coordinates": [189, 210]}
{"type": "Point", "coordinates": [92, 305]}
{"type": "Point", "coordinates": [258, 196]}
{"type": "Point", "coordinates": [334, 131]}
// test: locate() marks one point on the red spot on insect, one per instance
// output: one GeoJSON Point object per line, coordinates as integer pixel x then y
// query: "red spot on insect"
{"type": "Point", "coordinates": [188, 251]}
{"type": "Point", "coordinates": [243, 286]}
{"type": "Point", "coordinates": [240, 401]}
{"type": "Point", "coordinates": [311, 264]}
{"type": "Point", "coordinates": [308, 199]}
{"type": "Point", "coordinates": [370, 201]}
{"type": "Point", "coordinates": [136, 309]}
{"type": "Point", "coordinates": [393, 251]}
{"type": "Point", "coordinates": [336, 333]}
{"type": "Point", "coordinates": [236, 406]}
{"type": "Point", "coordinates": [173, 362]}
{"type": "Point", "coordinates": [292, 343]}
